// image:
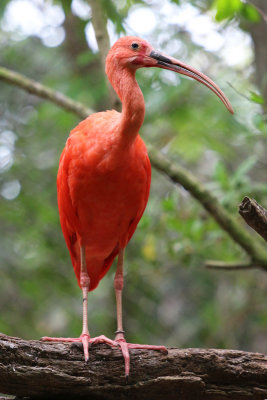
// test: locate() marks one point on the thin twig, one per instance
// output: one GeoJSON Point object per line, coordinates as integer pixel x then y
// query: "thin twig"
{"type": "Point", "coordinates": [238, 92]}
{"type": "Point", "coordinates": [230, 266]}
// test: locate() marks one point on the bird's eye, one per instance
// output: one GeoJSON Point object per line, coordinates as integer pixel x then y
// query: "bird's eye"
{"type": "Point", "coordinates": [135, 46]}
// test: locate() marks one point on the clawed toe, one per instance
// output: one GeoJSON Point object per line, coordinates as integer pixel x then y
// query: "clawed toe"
{"type": "Point", "coordinates": [104, 339]}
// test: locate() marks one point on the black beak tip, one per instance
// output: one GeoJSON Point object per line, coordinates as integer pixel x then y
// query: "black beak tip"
{"type": "Point", "coordinates": [158, 56]}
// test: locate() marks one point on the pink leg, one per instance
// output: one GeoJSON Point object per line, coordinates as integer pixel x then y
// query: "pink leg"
{"type": "Point", "coordinates": [85, 336]}
{"type": "Point", "coordinates": [120, 339]}
{"type": "Point", "coordinates": [118, 286]}
{"type": "Point", "coordinates": [85, 282]}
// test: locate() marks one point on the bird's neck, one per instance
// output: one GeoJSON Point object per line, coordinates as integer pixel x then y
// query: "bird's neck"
{"type": "Point", "coordinates": [133, 105]}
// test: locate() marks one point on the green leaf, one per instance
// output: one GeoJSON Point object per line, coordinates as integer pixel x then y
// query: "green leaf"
{"type": "Point", "coordinates": [226, 9]}
{"type": "Point", "coordinates": [256, 98]}
{"type": "Point", "coordinates": [249, 12]}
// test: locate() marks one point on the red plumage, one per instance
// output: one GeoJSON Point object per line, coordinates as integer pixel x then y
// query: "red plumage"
{"type": "Point", "coordinates": [102, 194]}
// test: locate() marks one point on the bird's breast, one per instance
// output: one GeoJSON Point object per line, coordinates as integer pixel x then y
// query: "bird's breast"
{"type": "Point", "coordinates": [108, 187]}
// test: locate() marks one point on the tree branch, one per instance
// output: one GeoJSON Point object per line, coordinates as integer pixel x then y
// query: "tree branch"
{"type": "Point", "coordinates": [99, 22]}
{"type": "Point", "coordinates": [34, 87]}
{"type": "Point", "coordinates": [47, 370]}
{"type": "Point", "coordinates": [177, 174]}
{"type": "Point", "coordinates": [235, 230]}
{"type": "Point", "coordinates": [254, 215]}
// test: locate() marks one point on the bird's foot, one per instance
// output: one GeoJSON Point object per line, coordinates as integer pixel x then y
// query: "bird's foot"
{"type": "Point", "coordinates": [85, 339]}
{"type": "Point", "coordinates": [120, 340]}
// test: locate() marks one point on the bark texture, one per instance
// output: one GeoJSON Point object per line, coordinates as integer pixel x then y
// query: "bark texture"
{"type": "Point", "coordinates": [38, 369]}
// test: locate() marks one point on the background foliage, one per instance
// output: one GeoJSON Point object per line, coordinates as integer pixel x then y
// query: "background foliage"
{"type": "Point", "coordinates": [169, 297]}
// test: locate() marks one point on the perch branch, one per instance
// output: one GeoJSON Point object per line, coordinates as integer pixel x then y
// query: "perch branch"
{"type": "Point", "coordinates": [254, 215]}
{"type": "Point", "coordinates": [177, 174]}
{"type": "Point", "coordinates": [57, 370]}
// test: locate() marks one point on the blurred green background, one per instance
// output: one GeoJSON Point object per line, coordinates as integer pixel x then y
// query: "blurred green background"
{"type": "Point", "coordinates": [169, 297]}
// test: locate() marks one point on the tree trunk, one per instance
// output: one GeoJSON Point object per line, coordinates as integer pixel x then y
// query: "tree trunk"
{"type": "Point", "coordinates": [38, 369]}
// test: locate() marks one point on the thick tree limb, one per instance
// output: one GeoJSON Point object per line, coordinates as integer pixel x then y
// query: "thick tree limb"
{"type": "Point", "coordinates": [44, 370]}
{"type": "Point", "coordinates": [254, 215]}
{"type": "Point", "coordinates": [177, 174]}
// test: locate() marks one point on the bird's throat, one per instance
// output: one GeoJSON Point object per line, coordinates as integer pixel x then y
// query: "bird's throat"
{"type": "Point", "coordinates": [133, 105]}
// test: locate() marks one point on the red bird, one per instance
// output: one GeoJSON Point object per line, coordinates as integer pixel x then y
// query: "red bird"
{"type": "Point", "coordinates": [104, 178]}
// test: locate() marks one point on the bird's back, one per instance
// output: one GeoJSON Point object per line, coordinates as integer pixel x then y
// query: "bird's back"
{"type": "Point", "coordinates": [103, 187]}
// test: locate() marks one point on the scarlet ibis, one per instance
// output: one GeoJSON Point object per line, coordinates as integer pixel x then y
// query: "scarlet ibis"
{"type": "Point", "coordinates": [104, 178]}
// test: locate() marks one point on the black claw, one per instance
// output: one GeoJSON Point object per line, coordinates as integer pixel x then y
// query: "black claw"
{"type": "Point", "coordinates": [127, 379]}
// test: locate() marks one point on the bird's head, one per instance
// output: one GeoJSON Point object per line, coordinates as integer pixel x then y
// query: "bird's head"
{"type": "Point", "coordinates": [132, 52]}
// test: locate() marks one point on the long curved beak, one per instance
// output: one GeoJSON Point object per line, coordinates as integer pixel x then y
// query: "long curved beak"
{"type": "Point", "coordinates": [172, 64]}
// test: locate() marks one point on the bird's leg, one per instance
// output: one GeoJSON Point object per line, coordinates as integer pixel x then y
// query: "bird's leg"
{"type": "Point", "coordinates": [118, 286]}
{"type": "Point", "coordinates": [85, 336]}
{"type": "Point", "coordinates": [85, 282]}
{"type": "Point", "coordinates": [119, 338]}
